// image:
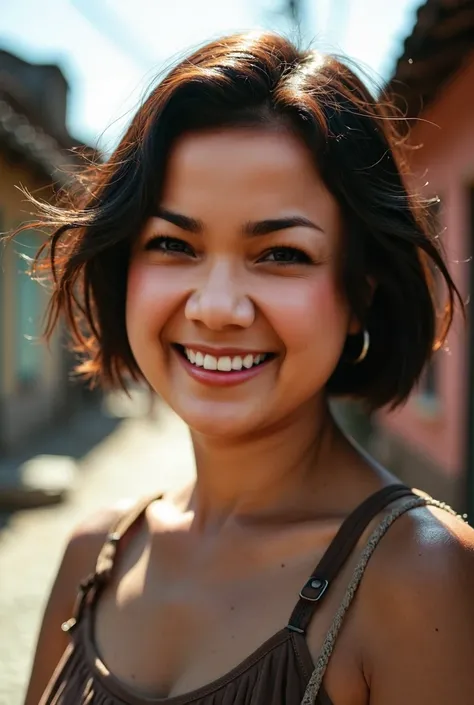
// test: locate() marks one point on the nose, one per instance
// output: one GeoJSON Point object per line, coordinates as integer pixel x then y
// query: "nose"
{"type": "Point", "coordinates": [219, 300]}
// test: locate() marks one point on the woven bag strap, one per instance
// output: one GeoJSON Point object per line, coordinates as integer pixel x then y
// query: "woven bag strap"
{"type": "Point", "coordinates": [314, 685]}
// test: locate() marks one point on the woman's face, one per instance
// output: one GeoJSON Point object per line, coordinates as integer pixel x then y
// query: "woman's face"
{"type": "Point", "coordinates": [234, 309]}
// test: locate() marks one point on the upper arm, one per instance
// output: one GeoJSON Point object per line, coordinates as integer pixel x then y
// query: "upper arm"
{"type": "Point", "coordinates": [420, 622]}
{"type": "Point", "coordinates": [77, 563]}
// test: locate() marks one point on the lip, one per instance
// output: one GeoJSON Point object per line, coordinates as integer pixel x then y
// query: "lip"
{"type": "Point", "coordinates": [215, 378]}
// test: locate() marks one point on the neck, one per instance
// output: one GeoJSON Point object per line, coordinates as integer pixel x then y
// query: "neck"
{"type": "Point", "coordinates": [279, 473]}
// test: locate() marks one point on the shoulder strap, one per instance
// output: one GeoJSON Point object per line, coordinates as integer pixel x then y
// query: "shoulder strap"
{"type": "Point", "coordinates": [314, 684]}
{"type": "Point", "coordinates": [339, 551]}
{"type": "Point", "coordinates": [91, 586]}
{"type": "Point", "coordinates": [108, 552]}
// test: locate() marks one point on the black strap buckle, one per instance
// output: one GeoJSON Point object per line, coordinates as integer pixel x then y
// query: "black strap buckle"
{"type": "Point", "coordinates": [314, 589]}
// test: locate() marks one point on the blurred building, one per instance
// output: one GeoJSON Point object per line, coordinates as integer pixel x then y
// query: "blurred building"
{"type": "Point", "coordinates": [431, 441]}
{"type": "Point", "coordinates": [35, 153]}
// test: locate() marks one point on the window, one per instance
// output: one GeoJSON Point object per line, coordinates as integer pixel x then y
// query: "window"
{"type": "Point", "coordinates": [2, 314]}
{"type": "Point", "coordinates": [29, 312]}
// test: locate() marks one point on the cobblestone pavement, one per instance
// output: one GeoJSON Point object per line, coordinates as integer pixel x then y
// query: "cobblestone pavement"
{"type": "Point", "coordinates": [141, 455]}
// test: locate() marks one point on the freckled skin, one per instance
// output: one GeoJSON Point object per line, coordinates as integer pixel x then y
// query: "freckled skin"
{"type": "Point", "coordinates": [225, 295]}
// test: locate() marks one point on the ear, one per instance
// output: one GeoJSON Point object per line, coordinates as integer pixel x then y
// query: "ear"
{"type": "Point", "coordinates": [355, 325]}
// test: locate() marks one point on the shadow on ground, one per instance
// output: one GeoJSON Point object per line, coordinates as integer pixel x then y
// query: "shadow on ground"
{"type": "Point", "coordinates": [72, 438]}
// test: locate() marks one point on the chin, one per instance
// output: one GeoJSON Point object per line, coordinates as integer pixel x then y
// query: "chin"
{"type": "Point", "coordinates": [218, 423]}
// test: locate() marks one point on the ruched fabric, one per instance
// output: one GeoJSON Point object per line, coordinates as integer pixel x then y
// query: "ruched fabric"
{"type": "Point", "coordinates": [276, 673]}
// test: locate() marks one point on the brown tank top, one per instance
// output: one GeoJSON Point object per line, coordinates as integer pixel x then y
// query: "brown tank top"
{"type": "Point", "coordinates": [280, 671]}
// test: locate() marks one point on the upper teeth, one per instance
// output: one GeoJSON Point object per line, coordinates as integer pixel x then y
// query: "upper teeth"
{"type": "Point", "coordinates": [224, 363]}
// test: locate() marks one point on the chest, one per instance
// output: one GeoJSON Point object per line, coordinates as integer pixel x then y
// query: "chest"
{"type": "Point", "coordinates": [177, 636]}
{"type": "Point", "coordinates": [167, 627]}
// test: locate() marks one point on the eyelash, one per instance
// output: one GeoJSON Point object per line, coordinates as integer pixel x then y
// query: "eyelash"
{"type": "Point", "coordinates": [155, 242]}
{"type": "Point", "coordinates": [161, 243]}
{"type": "Point", "coordinates": [303, 258]}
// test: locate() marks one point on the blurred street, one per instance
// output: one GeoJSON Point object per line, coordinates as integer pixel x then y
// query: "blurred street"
{"type": "Point", "coordinates": [138, 454]}
{"type": "Point", "coordinates": [72, 75]}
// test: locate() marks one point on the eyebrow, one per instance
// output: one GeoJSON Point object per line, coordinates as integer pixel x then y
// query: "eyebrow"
{"type": "Point", "coordinates": [251, 228]}
{"type": "Point", "coordinates": [272, 225]}
{"type": "Point", "coordinates": [181, 221]}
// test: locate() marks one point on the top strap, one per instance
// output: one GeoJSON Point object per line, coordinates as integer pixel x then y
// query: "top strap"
{"type": "Point", "coordinates": [106, 559]}
{"type": "Point", "coordinates": [108, 552]}
{"type": "Point", "coordinates": [339, 551]}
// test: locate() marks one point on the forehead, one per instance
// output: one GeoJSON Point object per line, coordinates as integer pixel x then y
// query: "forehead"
{"type": "Point", "coordinates": [252, 169]}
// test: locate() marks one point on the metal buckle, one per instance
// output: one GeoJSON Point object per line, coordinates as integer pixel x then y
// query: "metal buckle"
{"type": "Point", "coordinates": [316, 586]}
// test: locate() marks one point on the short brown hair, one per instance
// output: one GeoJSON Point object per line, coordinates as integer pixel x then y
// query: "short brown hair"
{"type": "Point", "coordinates": [261, 79]}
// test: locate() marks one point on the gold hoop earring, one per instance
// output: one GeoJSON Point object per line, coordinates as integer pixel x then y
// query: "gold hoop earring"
{"type": "Point", "coordinates": [365, 348]}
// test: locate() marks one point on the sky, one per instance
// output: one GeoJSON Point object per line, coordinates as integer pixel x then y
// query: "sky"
{"type": "Point", "coordinates": [111, 51]}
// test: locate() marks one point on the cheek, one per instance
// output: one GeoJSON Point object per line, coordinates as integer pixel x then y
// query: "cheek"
{"type": "Point", "coordinates": [151, 298]}
{"type": "Point", "coordinates": [311, 316]}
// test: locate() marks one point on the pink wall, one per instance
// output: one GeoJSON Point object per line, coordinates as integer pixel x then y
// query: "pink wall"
{"type": "Point", "coordinates": [444, 166]}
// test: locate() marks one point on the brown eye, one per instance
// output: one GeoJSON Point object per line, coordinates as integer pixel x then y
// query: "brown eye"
{"type": "Point", "coordinates": [169, 245]}
{"type": "Point", "coordinates": [286, 255]}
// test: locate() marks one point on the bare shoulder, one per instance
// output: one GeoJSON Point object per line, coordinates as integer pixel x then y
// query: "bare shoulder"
{"type": "Point", "coordinates": [78, 562]}
{"type": "Point", "coordinates": [423, 543]}
{"type": "Point", "coordinates": [417, 611]}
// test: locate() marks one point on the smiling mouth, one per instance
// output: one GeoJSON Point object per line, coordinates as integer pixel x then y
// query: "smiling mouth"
{"type": "Point", "coordinates": [223, 363]}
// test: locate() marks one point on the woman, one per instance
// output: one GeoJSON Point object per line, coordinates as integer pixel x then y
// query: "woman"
{"type": "Point", "coordinates": [250, 251]}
